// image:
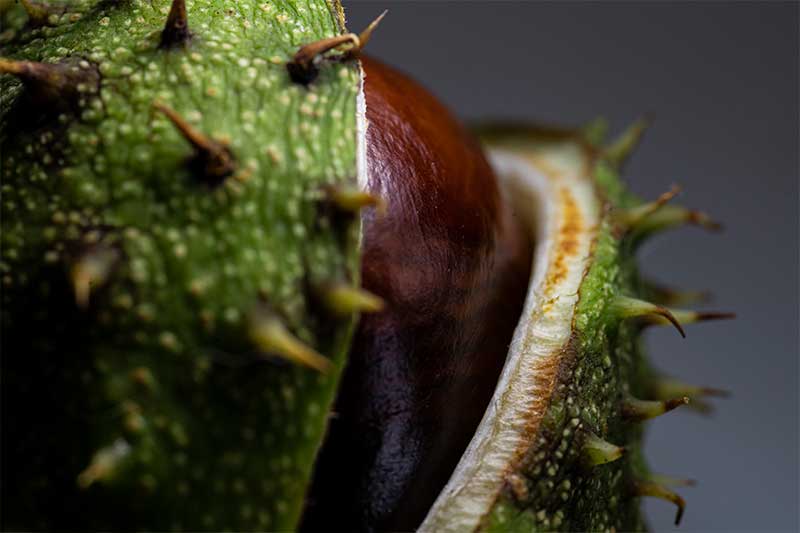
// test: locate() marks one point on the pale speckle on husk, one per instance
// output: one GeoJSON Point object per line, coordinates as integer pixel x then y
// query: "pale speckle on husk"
{"type": "Point", "coordinates": [532, 471]}
{"type": "Point", "coordinates": [146, 402]}
{"type": "Point", "coordinates": [216, 421]}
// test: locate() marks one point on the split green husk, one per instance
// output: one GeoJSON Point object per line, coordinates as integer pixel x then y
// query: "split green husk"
{"type": "Point", "coordinates": [560, 447]}
{"type": "Point", "coordinates": [180, 279]}
{"type": "Point", "coordinates": [151, 407]}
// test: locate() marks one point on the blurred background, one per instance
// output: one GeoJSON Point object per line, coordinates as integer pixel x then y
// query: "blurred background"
{"type": "Point", "coordinates": [722, 81]}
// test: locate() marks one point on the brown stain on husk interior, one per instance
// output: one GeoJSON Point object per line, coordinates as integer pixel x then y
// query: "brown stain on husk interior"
{"type": "Point", "coordinates": [566, 244]}
{"type": "Point", "coordinates": [558, 367]}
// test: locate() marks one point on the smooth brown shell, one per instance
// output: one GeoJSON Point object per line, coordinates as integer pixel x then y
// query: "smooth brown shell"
{"type": "Point", "coordinates": [453, 264]}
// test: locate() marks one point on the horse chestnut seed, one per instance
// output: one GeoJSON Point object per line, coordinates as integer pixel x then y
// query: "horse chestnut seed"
{"type": "Point", "coordinates": [452, 264]}
{"type": "Point", "coordinates": [178, 229]}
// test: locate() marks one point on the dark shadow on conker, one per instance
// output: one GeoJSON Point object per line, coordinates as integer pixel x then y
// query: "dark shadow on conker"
{"type": "Point", "coordinates": [453, 265]}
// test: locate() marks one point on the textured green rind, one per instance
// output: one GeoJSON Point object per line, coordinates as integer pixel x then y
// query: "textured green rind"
{"type": "Point", "coordinates": [603, 361]}
{"type": "Point", "coordinates": [219, 437]}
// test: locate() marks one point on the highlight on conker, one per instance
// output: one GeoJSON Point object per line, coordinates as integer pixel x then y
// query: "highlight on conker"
{"type": "Point", "coordinates": [255, 279]}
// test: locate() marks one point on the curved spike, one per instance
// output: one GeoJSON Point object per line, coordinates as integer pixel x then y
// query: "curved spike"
{"type": "Point", "coordinates": [176, 30]}
{"type": "Point", "coordinates": [631, 217]}
{"type": "Point", "coordinates": [618, 152]}
{"type": "Point", "coordinates": [692, 317]}
{"type": "Point", "coordinates": [626, 307]}
{"type": "Point", "coordinates": [638, 410]}
{"type": "Point", "coordinates": [304, 66]}
{"type": "Point", "coordinates": [199, 141]}
{"type": "Point", "coordinates": [91, 270]}
{"type": "Point", "coordinates": [664, 295]}
{"type": "Point", "coordinates": [366, 34]}
{"type": "Point", "coordinates": [104, 464]}
{"type": "Point", "coordinates": [671, 216]}
{"type": "Point", "coordinates": [343, 299]}
{"type": "Point", "coordinates": [213, 161]}
{"type": "Point", "coordinates": [54, 84]}
{"type": "Point", "coordinates": [270, 335]}
{"type": "Point", "coordinates": [304, 69]}
{"type": "Point", "coordinates": [597, 451]}
{"type": "Point", "coordinates": [664, 388]}
{"type": "Point", "coordinates": [669, 388]}
{"type": "Point", "coordinates": [648, 488]}
{"type": "Point", "coordinates": [353, 199]}
{"type": "Point", "coordinates": [684, 316]}
{"type": "Point", "coordinates": [31, 71]}
{"type": "Point", "coordinates": [25, 70]}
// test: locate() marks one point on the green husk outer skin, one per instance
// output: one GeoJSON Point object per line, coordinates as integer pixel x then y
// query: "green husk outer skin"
{"type": "Point", "coordinates": [159, 365]}
{"type": "Point", "coordinates": [603, 362]}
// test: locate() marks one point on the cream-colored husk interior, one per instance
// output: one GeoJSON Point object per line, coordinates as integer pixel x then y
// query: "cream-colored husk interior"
{"type": "Point", "coordinates": [549, 188]}
{"type": "Point", "coordinates": [361, 132]}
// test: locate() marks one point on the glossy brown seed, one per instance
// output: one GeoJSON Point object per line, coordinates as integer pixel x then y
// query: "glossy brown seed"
{"type": "Point", "coordinates": [452, 264]}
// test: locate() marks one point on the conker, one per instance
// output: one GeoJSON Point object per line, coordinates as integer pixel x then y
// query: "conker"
{"type": "Point", "coordinates": [452, 263]}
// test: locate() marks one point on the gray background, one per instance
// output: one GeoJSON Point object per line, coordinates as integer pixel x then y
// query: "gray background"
{"type": "Point", "coordinates": [722, 80]}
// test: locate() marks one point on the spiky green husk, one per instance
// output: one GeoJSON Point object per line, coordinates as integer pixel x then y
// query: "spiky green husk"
{"type": "Point", "coordinates": [139, 294]}
{"type": "Point", "coordinates": [607, 361]}
{"type": "Point", "coordinates": [150, 406]}
{"type": "Point", "coordinates": [552, 486]}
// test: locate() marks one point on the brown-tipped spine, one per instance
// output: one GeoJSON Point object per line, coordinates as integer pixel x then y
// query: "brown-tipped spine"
{"type": "Point", "coordinates": [351, 199]}
{"type": "Point", "coordinates": [664, 388]}
{"type": "Point", "coordinates": [684, 316]}
{"type": "Point", "coordinates": [304, 67]}
{"type": "Point", "coordinates": [671, 216]}
{"type": "Point", "coordinates": [667, 388]}
{"type": "Point", "coordinates": [629, 218]}
{"type": "Point", "coordinates": [176, 30]}
{"type": "Point", "coordinates": [625, 307]}
{"type": "Point", "coordinates": [54, 85]}
{"type": "Point", "coordinates": [692, 317]}
{"type": "Point", "coordinates": [366, 35]}
{"type": "Point", "coordinates": [269, 334]}
{"type": "Point", "coordinates": [649, 488]}
{"type": "Point", "coordinates": [213, 161]}
{"type": "Point", "coordinates": [342, 299]}
{"type": "Point", "coordinates": [637, 410]}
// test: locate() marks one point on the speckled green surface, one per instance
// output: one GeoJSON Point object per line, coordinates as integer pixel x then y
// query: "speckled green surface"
{"type": "Point", "coordinates": [158, 369]}
{"type": "Point", "coordinates": [555, 489]}
{"type": "Point", "coordinates": [157, 378]}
